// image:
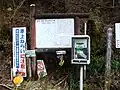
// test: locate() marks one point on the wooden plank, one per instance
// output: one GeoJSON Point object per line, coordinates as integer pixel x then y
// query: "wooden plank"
{"type": "Point", "coordinates": [62, 15]}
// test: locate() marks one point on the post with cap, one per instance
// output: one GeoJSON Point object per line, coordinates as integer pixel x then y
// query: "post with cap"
{"type": "Point", "coordinates": [33, 40]}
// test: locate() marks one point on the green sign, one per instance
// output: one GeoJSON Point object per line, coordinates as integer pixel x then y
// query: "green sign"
{"type": "Point", "coordinates": [30, 53]}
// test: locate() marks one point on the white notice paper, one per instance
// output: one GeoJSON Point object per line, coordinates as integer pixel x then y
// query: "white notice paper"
{"type": "Point", "coordinates": [117, 34]}
{"type": "Point", "coordinates": [54, 33]}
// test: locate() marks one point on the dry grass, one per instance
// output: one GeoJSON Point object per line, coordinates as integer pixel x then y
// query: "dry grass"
{"type": "Point", "coordinates": [39, 85]}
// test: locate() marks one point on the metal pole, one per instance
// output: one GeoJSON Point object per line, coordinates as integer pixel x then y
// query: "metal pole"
{"type": "Point", "coordinates": [85, 28]}
{"type": "Point", "coordinates": [85, 32]}
{"type": "Point", "coordinates": [81, 77]}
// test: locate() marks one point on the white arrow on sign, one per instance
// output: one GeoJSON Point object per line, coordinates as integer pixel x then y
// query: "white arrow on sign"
{"type": "Point", "coordinates": [40, 66]}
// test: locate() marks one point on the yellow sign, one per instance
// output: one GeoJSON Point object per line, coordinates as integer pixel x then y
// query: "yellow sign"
{"type": "Point", "coordinates": [17, 80]}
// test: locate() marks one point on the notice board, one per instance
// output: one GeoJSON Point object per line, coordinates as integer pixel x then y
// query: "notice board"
{"type": "Point", "coordinates": [54, 33]}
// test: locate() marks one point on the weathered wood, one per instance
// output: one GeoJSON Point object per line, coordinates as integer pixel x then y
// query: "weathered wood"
{"type": "Point", "coordinates": [29, 72]}
{"type": "Point", "coordinates": [108, 60]}
{"type": "Point", "coordinates": [77, 26]}
{"type": "Point", "coordinates": [62, 15]}
{"type": "Point", "coordinates": [33, 40]}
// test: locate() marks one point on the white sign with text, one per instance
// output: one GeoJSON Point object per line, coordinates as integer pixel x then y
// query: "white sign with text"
{"type": "Point", "coordinates": [117, 34]}
{"type": "Point", "coordinates": [54, 33]}
{"type": "Point", "coordinates": [19, 46]}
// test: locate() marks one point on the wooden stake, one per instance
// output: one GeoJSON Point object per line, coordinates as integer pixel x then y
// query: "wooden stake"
{"type": "Point", "coordinates": [108, 60]}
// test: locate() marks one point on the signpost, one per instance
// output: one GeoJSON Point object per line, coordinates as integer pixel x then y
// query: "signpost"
{"type": "Point", "coordinates": [81, 53]}
{"type": "Point", "coordinates": [30, 53]}
{"type": "Point", "coordinates": [80, 49]}
{"type": "Point", "coordinates": [19, 47]}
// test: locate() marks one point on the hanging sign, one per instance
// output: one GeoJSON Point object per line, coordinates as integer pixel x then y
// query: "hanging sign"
{"type": "Point", "coordinates": [19, 47]}
{"type": "Point", "coordinates": [30, 53]}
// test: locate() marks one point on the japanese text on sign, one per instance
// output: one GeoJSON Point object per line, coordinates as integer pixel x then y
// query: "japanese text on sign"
{"type": "Point", "coordinates": [19, 42]}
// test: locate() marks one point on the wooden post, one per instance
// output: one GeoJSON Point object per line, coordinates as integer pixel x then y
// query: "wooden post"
{"type": "Point", "coordinates": [33, 39]}
{"type": "Point", "coordinates": [77, 25]}
{"type": "Point", "coordinates": [77, 32]}
{"type": "Point", "coordinates": [108, 60]}
{"type": "Point", "coordinates": [29, 72]}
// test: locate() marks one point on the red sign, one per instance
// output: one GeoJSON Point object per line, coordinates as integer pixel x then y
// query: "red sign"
{"type": "Point", "coordinates": [40, 66]}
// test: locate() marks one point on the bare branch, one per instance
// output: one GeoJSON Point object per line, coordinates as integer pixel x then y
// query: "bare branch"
{"type": "Point", "coordinates": [14, 3]}
{"type": "Point", "coordinates": [18, 7]}
{"type": "Point", "coordinates": [6, 86]}
{"type": "Point", "coordinates": [60, 81]}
